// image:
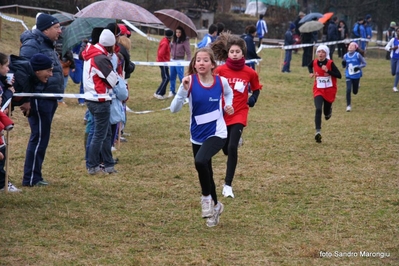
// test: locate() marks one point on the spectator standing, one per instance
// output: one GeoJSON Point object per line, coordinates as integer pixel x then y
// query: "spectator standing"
{"type": "Point", "coordinates": [261, 29]}
{"type": "Point", "coordinates": [40, 110]}
{"type": "Point", "coordinates": [288, 40]}
{"type": "Point", "coordinates": [163, 55]}
{"type": "Point", "coordinates": [99, 77]}
{"type": "Point", "coordinates": [392, 46]}
{"type": "Point", "coordinates": [368, 27]}
{"type": "Point", "coordinates": [390, 33]}
{"type": "Point", "coordinates": [180, 48]}
{"type": "Point", "coordinates": [77, 73]}
{"type": "Point", "coordinates": [207, 126]}
{"type": "Point", "coordinates": [68, 65]}
{"type": "Point", "coordinates": [209, 38]}
{"type": "Point", "coordinates": [220, 27]}
{"type": "Point", "coordinates": [6, 92]}
{"type": "Point", "coordinates": [307, 38]}
{"type": "Point", "coordinates": [343, 34]}
{"type": "Point", "coordinates": [250, 43]}
{"type": "Point", "coordinates": [325, 74]}
{"type": "Point", "coordinates": [332, 35]}
{"type": "Point", "coordinates": [297, 34]}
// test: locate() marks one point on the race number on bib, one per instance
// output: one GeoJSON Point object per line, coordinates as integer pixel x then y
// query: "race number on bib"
{"type": "Point", "coordinates": [324, 82]}
{"type": "Point", "coordinates": [351, 70]}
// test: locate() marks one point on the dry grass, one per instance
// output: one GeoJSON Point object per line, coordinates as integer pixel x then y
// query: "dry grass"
{"type": "Point", "coordinates": [294, 197]}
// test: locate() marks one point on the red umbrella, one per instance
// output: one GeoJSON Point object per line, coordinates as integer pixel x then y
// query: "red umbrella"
{"type": "Point", "coordinates": [118, 9]}
{"type": "Point", "coordinates": [173, 18]}
{"type": "Point", "coordinates": [326, 17]}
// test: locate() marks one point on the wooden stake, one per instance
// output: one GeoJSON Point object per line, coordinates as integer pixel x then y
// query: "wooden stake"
{"type": "Point", "coordinates": [7, 161]}
{"type": "Point", "coordinates": [7, 157]}
{"type": "Point", "coordinates": [119, 134]}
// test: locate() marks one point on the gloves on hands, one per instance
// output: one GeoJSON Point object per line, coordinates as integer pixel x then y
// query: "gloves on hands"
{"type": "Point", "coordinates": [251, 101]}
{"type": "Point", "coordinates": [343, 63]}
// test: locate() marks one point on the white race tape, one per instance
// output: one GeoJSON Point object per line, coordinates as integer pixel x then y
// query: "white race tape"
{"type": "Point", "coordinates": [182, 63]}
{"type": "Point", "coordinates": [13, 20]}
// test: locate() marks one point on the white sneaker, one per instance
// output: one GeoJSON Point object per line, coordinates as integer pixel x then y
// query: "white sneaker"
{"type": "Point", "coordinates": [113, 148]}
{"type": "Point", "coordinates": [12, 188]}
{"type": "Point", "coordinates": [214, 220]}
{"type": "Point", "coordinates": [159, 97]}
{"type": "Point", "coordinates": [171, 95]}
{"type": "Point", "coordinates": [395, 89]}
{"type": "Point", "coordinates": [227, 191]}
{"type": "Point", "coordinates": [348, 108]}
{"type": "Point", "coordinates": [207, 207]}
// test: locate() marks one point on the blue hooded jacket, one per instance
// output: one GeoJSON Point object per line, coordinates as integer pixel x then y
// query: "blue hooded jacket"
{"type": "Point", "coordinates": [34, 42]}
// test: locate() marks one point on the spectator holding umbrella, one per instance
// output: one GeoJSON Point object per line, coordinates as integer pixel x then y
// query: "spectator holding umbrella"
{"type": "Point", "coordinates": [180, 48]}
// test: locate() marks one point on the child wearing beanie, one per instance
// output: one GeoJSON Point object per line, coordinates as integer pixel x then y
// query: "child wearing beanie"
{"type": "Point", "coordinates": [325, 74]}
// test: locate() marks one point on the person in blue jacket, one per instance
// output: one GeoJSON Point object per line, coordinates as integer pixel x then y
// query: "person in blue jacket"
{"type": "Point", "coordinates": [353, 62]}
{"type": "Point", "coordinates": [363, 35]}
{"type": "Point", "coordinates": [368, 27]}
{"type": "Point", "coordinates": [40, 110]}
{"type": "Point", "coordinates": [392, 47]}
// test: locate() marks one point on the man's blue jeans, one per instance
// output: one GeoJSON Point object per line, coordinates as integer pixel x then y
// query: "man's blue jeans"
{"type": "Point", "coordinates": [102, 136]}
{"type": "Point", "coordinates": [287, 61]}
{"type": "Point", "coordinates": [175, 71]}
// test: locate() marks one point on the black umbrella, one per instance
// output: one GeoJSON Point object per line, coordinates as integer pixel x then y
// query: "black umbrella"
{"type": "Point", "coordinates": [310, 16]}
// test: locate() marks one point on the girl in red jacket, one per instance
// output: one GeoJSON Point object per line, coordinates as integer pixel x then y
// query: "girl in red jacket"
{"type": "Point", "coordinates": [325, 74]}
{"type": "Point", "coordinates": [233, 49]}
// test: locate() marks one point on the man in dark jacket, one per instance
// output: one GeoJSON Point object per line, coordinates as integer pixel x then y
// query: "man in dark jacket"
{"type": "Point", "coordinates": [39, 110]}
{"type": "Point", "coordinates": [250, 42]}
{"type": "Point", "coordinates": [332, 35]}
{"type": "Point", "coordinates": [288, 40]}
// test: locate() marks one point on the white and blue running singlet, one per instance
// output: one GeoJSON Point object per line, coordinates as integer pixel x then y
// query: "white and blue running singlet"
{"type": "Point", "coordinates": [206, 110]}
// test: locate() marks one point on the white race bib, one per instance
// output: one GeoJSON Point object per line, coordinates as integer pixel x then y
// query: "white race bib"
{"type": "Point", "coordinates": [324, 82]}
{"type": "Point", "coordinates": [239, 86]}
{"type": "Point", "coordinates": [208, 117]}
{"type": "Point", "coordinates": [351, 70]}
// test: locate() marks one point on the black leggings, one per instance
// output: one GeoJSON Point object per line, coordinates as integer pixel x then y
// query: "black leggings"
{"type": "Point", "coordinates": [203, 163]}
{"type": "Point", "coordinates": [351, 84]}
{"type": "Point", "coordinates": [230, 149]}
{"type": "Point", "coordinates": [318, 103]}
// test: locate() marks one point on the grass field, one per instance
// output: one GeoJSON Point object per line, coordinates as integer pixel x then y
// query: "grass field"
{"type": "Point", "coordinates": [297, 202]}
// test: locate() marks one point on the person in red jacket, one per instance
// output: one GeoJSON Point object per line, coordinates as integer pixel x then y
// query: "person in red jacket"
{"type": "Point", "coordinates": [325, 74]}
{"type": "Point", "coordinates": [163, 55]}
{"type": "Point", "coordinates": [240, 77]}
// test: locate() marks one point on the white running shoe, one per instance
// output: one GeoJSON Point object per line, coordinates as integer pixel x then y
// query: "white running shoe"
{"type": "Point", "coordinates": [12, 188]}
{"type": "Point", "coordinates": [171, 95]}
{"type": "Point", "coordinates": [207, 207]}
{"type": "Point", "coordinates": [159, 97]}
{"type": "Point", "coordinates": [227, 191]}
{"type": "Point", "coordinates": [348, 108]}
{"type": "Point", "coordinates": [395, 89]}
{"type": "Point", "coordinates": [214, 220]}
